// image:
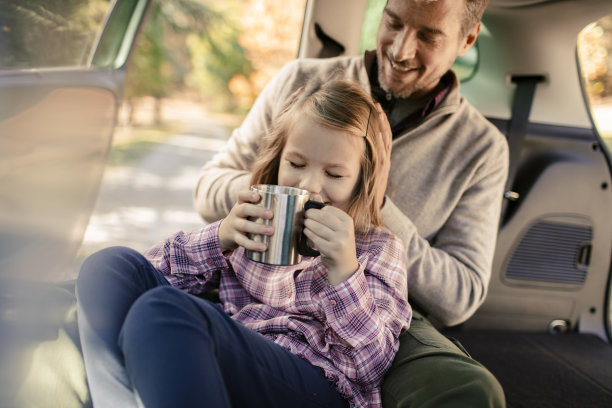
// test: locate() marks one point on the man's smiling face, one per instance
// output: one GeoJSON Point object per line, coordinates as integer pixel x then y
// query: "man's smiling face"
{"type": "Point", "coordinates": [417, 43]}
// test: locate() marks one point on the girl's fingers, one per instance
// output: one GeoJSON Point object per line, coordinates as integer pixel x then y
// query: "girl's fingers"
{"type": "Point", "coordinates": [248, 196]}
{"type": "Point", "coordinates": [250, 227]}
{"type": "Point", "coordinates": [329, 215]}
{"type": "Point", "coordinates": [317, 229]}
{"type": "Point", "coordinates": [239, 223]}
{"type": "Point", "coordinates": [247, 210]}
{"type": "Point", "coordinates": [250, 244]}
{"type": "Point", "coordinates": [328, 223]}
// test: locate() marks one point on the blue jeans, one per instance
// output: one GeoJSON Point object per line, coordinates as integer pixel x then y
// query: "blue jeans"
{"type": "Point", "coordinates": [147, 343]}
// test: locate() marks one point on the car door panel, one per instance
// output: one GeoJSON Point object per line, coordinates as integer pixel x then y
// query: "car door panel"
{"type": "Point", "coordinates": [56, 126]}
{"type": "Point", "coordinates": [552, 258]}
{"type": "Point", "coordinates": [56, 135]}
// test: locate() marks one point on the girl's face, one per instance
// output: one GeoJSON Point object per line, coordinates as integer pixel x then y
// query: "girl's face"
{"type": "Point", "coordinates": [322, 160]}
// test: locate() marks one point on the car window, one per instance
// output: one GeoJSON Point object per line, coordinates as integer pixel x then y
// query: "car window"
{"type": "Point", "coordinates": [594, 53]}
{"type": "Point", "coordinates": [49, 33]}
{"type": "Point", "coordinates": [464, 66]}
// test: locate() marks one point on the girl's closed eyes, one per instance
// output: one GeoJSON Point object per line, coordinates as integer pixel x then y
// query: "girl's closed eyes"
{"type": "Point", "coordinates": [334, 171]}
{"type": "Point", "coordinates": [322, 160]}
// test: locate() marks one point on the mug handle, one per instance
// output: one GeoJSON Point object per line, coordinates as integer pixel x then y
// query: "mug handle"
{"type": "Point", "coordinates": [303, 247]}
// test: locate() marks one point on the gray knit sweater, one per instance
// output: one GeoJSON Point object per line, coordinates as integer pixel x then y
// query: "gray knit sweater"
{"type": "Point", "coordinates": [443, 198]}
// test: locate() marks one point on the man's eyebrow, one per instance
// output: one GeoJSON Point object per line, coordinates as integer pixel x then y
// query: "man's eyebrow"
{"type": "Point", "coordinates": [391, 13]}
{"type": "Point", "coordinates": [430, 30]}
{"type": "Point", "coordinates": [433, 31]}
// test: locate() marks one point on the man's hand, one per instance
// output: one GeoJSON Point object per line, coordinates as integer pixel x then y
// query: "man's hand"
{"type": "Point", "coordinates": [383, 132]}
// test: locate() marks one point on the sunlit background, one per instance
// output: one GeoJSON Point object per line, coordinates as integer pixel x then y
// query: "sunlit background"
{"type": "Point", "coordinates": [595, 55]}
{"type": "Point", "coordinates": [196, 69]}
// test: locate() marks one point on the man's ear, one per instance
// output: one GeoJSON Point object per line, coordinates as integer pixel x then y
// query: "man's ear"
{"type": "Point", "coordinates": [469, 39]}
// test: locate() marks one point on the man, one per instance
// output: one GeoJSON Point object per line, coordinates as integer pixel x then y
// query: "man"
{"type": "Point", "coordinates": [448, 166]}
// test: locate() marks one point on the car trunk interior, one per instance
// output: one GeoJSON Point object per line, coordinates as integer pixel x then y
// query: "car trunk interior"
{"type": "Point", "coordinates": [543, 330]}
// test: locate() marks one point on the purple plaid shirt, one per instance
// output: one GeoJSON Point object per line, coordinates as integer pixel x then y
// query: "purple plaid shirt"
{"type": "Point", "coordinates": [350, 330]}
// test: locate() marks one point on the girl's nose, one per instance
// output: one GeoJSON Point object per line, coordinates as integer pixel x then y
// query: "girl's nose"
{"type": "Point", "coordinates": [404, 46]}
{"type": "Point", "coordinates": [311, 183]}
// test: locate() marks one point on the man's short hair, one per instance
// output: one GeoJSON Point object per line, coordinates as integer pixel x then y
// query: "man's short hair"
{"type": "Point", "coordinates": [474, 9]}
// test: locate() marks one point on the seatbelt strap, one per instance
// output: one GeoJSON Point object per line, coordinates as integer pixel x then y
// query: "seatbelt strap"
{"type": "Point", "coordinates": [521, 108]}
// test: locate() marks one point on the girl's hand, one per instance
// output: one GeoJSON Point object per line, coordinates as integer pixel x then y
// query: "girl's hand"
{"type": "Point", "coordinates": [235, 227]}
{"type": "Point", "coordinates": [332, 231]}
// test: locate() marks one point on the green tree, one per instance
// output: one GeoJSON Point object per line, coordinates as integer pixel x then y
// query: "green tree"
{"type": "Point", "coordinates": [218, 57]}
{"type": "Point", "coordinates": [595, 51]}
{"type": "Point", "coordinates": [165, 59]}
{"type": "Point", "coordinates": [270, 36]}
{"type": "Point", "coordinates": [48, 33]}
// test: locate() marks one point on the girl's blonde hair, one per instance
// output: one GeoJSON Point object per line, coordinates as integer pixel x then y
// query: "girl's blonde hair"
{"type": "Point", "coordinates": [340, 105]}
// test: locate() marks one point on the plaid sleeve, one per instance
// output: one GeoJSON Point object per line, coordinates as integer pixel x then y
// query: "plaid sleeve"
{"type": "Point", "coordinates": [190, 262]}
{"type": "Point", "coordinates": [366, 313]}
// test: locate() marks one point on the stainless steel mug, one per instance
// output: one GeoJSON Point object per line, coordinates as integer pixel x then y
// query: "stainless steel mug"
{"type": "Point", "coordinates": [288, 243]}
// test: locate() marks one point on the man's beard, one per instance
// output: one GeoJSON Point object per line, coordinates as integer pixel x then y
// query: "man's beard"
{"type": "Point", "coordinates": [404, 92]}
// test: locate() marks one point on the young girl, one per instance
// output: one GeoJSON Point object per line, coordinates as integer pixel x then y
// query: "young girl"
{"type": "Point", "coordinates": [321, 333]}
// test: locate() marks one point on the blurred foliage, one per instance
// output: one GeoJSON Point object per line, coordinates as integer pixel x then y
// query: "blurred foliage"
{"type": "Point", "coordinates": [161, 58]}
{"type": "Point", "coordinates": [46, 33]}
{"type": "Point", "coordinates": [217, 58]}
{"type": "Point", "coordinates": [270, 36]}
{"type": "Point", "coordinates": [223, 52]}
{"type": "Point", "coordinates": [595, 61]}
{"type": "Point", "coordinates": [595, 54]}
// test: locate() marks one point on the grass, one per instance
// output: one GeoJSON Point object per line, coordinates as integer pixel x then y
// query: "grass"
{"type": "Point", "coordinates": [132, 143]}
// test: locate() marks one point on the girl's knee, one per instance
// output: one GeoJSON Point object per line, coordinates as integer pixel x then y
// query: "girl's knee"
{"type": "Point", "coordinates": [99, 267]}
{"type": "Point", "coordinates": [153, 313]}
{"type": "Point", "coordinates": [163, 306]}
{"type": "Point", "coordinates": [157, 303]}
{"type": "Point", "coordinates": [157, 300]}
{"type": "Point", "coordinates": [170, 300]}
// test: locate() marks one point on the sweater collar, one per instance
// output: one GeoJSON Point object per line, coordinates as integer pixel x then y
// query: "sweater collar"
{"type": "Point", "coordinates": [447, 83]}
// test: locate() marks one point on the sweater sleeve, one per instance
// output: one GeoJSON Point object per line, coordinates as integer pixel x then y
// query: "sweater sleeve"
{"type": "Point", "coordinates": [449, 273]}
{"type": "Point", "coordinates": [366, 313]}
{"type": "Point", "coordinates": [190, 262]}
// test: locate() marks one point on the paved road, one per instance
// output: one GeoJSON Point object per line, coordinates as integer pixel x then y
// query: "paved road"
{"type": "Point", "coordinates": [150, 199]}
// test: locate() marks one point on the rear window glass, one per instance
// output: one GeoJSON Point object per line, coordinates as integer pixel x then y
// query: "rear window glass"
{"type": "Point", "coordinates": [595, 61]}
{"type": "Point", "coordinates": [43, 33]}
{"type": "Point", "coordinates": [464, 66]}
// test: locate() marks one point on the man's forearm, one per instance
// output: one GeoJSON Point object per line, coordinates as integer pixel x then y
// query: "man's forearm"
{"type": "Point", "coordinates": [216, 191]}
